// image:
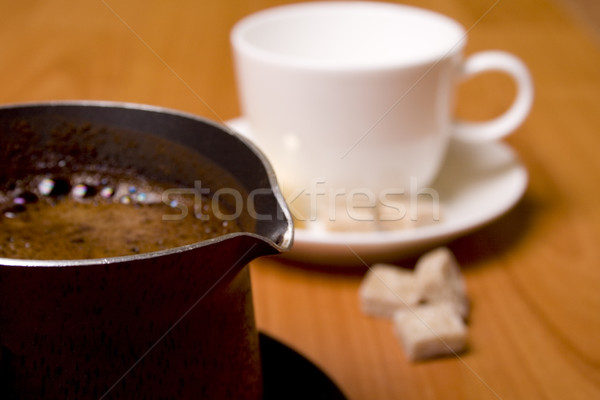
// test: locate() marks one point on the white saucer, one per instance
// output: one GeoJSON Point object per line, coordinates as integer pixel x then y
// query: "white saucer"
{"type": "Point", "coordinates": [477, 184]}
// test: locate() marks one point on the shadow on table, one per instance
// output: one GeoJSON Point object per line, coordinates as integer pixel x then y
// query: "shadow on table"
{"type": "Point", "coordinates": [499, 236]}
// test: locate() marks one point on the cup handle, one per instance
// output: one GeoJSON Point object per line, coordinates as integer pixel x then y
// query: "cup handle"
{"type": "Point", "coordinates": [509, 121]}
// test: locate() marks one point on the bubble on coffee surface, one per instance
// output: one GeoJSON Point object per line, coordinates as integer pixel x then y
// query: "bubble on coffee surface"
{"type": "Point", "coordinates": [125, 200]}
{"type": "Point", "coordinates": [46, 186]}
{"type": "Point", "coordinates": [141, 197]}
{"type": "Point", "coordinates": [107, 192]}
{"type": "Point", "coordinates": [84, 187]}
{"type": "Point", "coordinates": [81, 191]}
{"type": "Point", "coordinates": [54, 187]}
{"type": "Point", "coordinates": [25, 197]}
{"type": "Point", "coordinates": [14, 211]}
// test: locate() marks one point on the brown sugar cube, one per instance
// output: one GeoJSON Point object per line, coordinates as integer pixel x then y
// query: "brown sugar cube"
{"type": "Point", "coordinates": [439, 279]}
{"type": "Point", "coordinates": [430, 330]}
{"type": "Point", "coordinates": [385, 289]}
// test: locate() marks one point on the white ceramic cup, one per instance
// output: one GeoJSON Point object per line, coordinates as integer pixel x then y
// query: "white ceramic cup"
{"type": "Point", "coordinates": [360, 94]}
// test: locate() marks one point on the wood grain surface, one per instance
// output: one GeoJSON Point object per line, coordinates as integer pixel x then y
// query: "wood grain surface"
{"type": "Point", "coordinates": [533, 275]}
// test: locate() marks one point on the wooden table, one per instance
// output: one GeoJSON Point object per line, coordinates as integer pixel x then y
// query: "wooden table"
{"type": "Point", "coordinates": [533, 275]}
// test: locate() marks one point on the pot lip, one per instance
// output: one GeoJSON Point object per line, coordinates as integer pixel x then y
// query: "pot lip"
{"type": "Point", "coordinates": [287, 237]}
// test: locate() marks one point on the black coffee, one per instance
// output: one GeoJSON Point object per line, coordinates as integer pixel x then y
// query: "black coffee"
{"type": "Point", "coordinates": [101, 215]}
